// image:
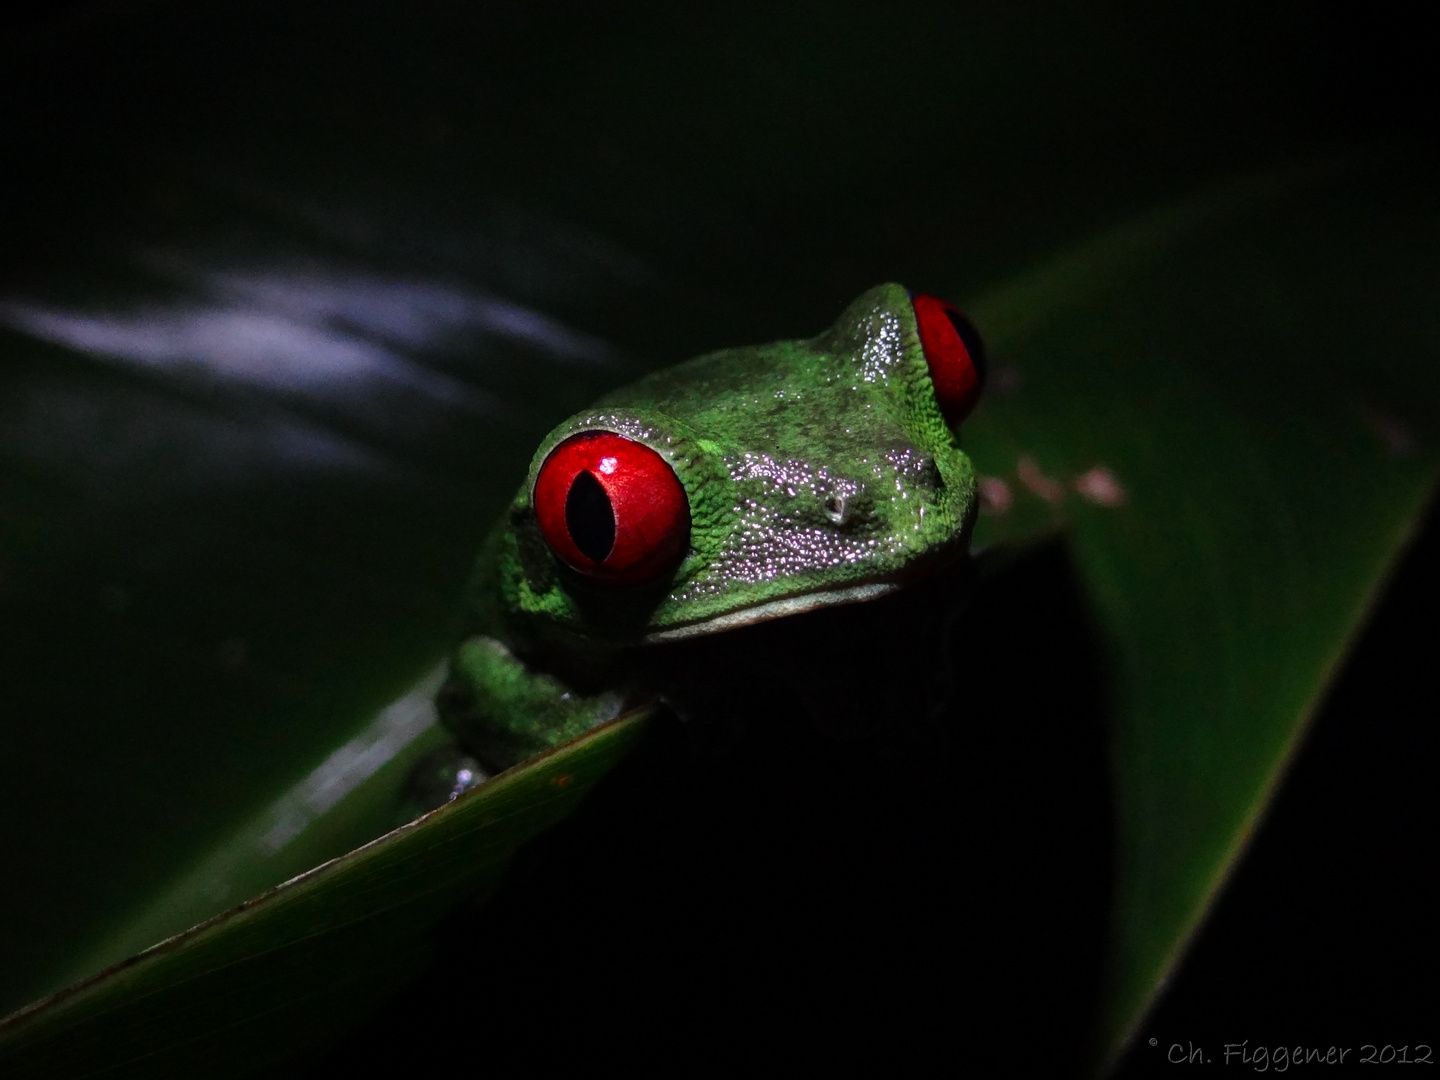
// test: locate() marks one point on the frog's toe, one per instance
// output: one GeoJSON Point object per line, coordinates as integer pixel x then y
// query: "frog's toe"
{"type": "Point", "coordinates": [441, 776]}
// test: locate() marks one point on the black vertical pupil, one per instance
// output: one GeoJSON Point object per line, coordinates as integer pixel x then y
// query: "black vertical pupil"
{"type": "Point", "coordinates": [973, 345]}
{"type": "Point", "coordinates": [590, 517]}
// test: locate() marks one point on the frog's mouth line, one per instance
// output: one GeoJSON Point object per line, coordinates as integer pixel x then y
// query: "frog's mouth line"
{"type": "Point", "coordinates": [776, 609]}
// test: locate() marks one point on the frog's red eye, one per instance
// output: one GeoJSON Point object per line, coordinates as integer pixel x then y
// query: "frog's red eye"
{"type": "Point", "coordinates": [612, 508]}
{"type": "Point", "coordinates": [955, 354]}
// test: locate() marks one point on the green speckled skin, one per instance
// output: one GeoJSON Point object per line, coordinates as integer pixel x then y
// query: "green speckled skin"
{"type": "Point", "coordinates": [817, 472]}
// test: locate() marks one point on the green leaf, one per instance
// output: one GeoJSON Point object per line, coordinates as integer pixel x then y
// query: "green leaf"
{"type": "Point", "coordinates": [272, 978]}
{"type": "Point", "coordinates": [1233, 408]}
{"type": "Point", "coordinates": [350, 798]}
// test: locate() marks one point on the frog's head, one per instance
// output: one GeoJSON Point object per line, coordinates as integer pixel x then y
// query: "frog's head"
{"type": "Point", "coordinates": [754, 483]}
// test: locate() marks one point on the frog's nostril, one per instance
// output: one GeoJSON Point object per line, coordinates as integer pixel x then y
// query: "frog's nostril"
{"type": "Point", "coordinates": [590, 517]}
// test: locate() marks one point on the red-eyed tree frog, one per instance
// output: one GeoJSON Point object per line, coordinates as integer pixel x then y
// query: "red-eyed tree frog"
{"type": "Point", "coordinates": [724, 528]}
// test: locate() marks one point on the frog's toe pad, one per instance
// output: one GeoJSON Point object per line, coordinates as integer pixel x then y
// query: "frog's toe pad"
{"type": "Point", "coordinates": [442, 776]}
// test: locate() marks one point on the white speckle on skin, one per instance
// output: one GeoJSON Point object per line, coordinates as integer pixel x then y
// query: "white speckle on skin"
{"type": "Point", "coordinates": [773, 539]}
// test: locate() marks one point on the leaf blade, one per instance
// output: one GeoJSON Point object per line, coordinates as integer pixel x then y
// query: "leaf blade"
{"type": "Point", "coordinates": [276, 961]}
{"type": "Point", "coordinates": [1265, 491]}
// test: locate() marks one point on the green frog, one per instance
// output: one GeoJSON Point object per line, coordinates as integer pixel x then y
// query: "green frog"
{"type": "Point", "coordinates": [746, 525]}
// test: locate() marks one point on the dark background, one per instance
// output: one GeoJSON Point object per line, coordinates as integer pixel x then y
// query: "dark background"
{"type": "Point", "coordinates": [837, 918]}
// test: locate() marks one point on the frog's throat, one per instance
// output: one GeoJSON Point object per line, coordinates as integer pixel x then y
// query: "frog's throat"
{"type": "Point", "coordinates": [776, 609]}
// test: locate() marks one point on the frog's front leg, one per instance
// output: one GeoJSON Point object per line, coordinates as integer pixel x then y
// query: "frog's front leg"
{"type": "Point", "coordinates": [503, 710]}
